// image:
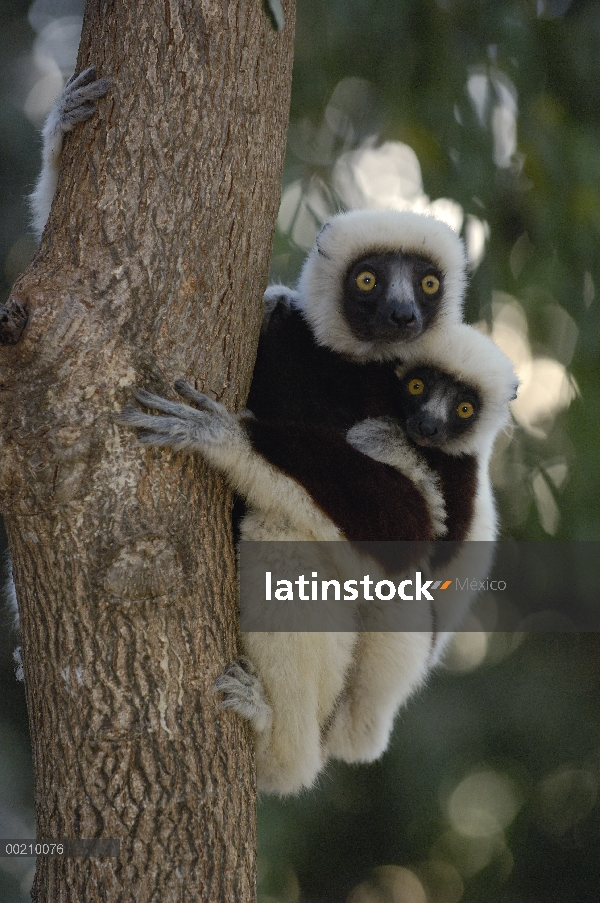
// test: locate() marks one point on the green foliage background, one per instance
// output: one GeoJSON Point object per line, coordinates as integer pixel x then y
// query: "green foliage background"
{"type": "Point", "coordinates": [511, 734]}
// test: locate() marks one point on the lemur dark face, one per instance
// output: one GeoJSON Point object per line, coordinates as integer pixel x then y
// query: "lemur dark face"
{"type": "Point", "coordinates": [391, 297]}
{"type": "Point", "coordinates": [435, 407]}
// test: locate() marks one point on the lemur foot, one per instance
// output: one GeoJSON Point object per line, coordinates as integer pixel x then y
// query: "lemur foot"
{"type": "Point", "coordinates": [184, 428]}
{"type": "Point", "coordinates": [77, 100]}
{"type": "Point", "coordinates": [242, 692]}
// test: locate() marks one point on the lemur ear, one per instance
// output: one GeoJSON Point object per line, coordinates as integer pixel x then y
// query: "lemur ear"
{"type": "Point", "coordinates": [515, 391]}
{"type": "Point", "coordinates": [326, 225]}
{"type": "Point", "coordinates": [322, 230]}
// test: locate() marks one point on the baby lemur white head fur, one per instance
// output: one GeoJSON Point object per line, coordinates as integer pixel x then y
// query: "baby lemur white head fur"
{"type": "Point", "coordinates": [454, 392]}
{"type": "Point", "coordinates": [375, 281]}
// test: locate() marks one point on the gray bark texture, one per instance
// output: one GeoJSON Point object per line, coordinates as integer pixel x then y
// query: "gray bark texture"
{"type": "Point", "coordinates": [152, 267]}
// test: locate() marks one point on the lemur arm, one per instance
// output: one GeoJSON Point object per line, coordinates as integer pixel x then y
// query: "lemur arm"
{"type": "Point", "coordinates": [210, 430]}
{"type": "Point", "coordinates": [290, 678]}
{"type": "Point", "coordinates": [75, 103]}
{"type": "Point", "coordinates": [384, 440]}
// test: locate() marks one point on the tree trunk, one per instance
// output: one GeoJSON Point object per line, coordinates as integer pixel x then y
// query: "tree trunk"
{"type": "Point", "coordinates": [152, 267]}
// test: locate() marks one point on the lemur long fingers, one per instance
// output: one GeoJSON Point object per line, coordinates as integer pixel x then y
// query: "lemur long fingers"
{"type": "Point", "coordinates": [82, 78]}
{"type": "Point", "coordinates": [160, 431]}
{"type": "Point", "coordinates": [184, 427]}
{"type": "Point", "coordinates": [88, 92]}
{"type": "Point", "coordinates": [158, 403]}
{"type": "Point", "coordinates": [78, 99]}
{"type": "Point", "coordinates": [201, 401]}
{"type": "Point", "coordinates": [242, 692]}
{"type": "Point", "coordinates": [242, 669]}
{"type": "Point", "coordinates": [178, 431]}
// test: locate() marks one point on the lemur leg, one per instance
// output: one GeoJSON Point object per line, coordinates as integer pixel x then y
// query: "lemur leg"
{"type": "Point", "coordinates": [286, 729]}
{"type": "Point", "coordinates": [387, 669]}
{"type": "Point", "coordinates": [388, 666]}
{"type": "Point", "coordinates": [210, 430]}
{"type": "Point", "coordinates": [301, 674]}
{"type": "Point", "coordinates": [301, 677]}
{"type": "Point", "coordinates": [242, 692]}
{"type": "Point", "coordinates": [75, 103]}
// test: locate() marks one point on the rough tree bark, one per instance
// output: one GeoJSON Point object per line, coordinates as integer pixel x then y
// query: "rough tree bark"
{"type": "Point", "coordinates": [152, 267]}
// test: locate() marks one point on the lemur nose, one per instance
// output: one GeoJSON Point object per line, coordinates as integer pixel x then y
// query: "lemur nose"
{"type": "Point", "coordinates": [402, 317]}
{"type": "Point", "coordinates": [428, 427]}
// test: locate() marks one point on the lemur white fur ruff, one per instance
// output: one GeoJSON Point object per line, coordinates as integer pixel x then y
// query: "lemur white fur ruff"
{"type": "Point", "coordinates": [355, 234]}
{"type": "Point", "coordinates": [309, 696]}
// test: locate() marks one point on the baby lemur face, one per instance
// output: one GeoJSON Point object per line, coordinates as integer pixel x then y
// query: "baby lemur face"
{"type": "Point", "coordinates": [436, 408]}
{"type": "Point", "coordinates": [391, 297]}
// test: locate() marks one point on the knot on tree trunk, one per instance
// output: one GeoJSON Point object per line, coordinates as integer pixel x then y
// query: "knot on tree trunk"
{"type": "Point", "coordinates": [13, 319]}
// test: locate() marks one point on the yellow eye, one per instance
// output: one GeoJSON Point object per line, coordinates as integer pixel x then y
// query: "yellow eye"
{"type": "Point", "coordinates": [416, 386]}
{"type": "Point", "coordinates": [465, 410]}
{"type": "Point", "coordinates": [430, 284]}
{"type": "Point", "coordinates": [366, 281]}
